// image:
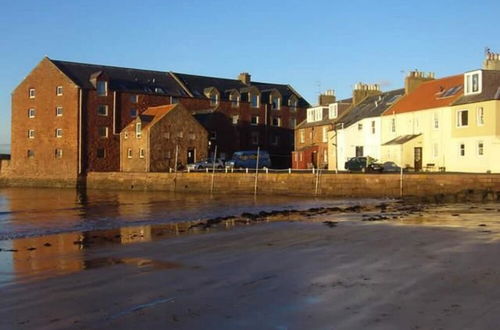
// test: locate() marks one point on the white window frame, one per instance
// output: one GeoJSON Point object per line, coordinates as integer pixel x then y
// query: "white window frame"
{"type": "Point", "coordinates": [59, 111]}
{"type": "Point", "coordinates": [469, 80]}
{"type": "Point", "coordinates": [257, 98]}
{"type": "Point", "coordinates": [436, 121]}
{"type": "Point", "coordinates": [134, 99]}
{"type": "Point", "coordinates": [278, 122]}
{"type": "Point", "coordinates": [292, 103]}
{"type": "Point", "coordinates": [138, 130]}
{"type": "Point", "coordinates": [277, 105]}
{"type": "Point", "coordinates": [235, 119]}
{"type": "Point", "coordinates": [102, 106]}
{"type": "Point", "coordinates": [32, 93]}
{"type": "Point", "coordinates": [59, 90]}
{"type": "Point", "coordinates": [459, 118]}
{"type": "Point", "coordinates": [30, 153]}
{"type": "Point", "coordinates": [58, 153]}
{"type": "Point", "coordinates": [141, 153]}
{"type": "Point", "coordinates": [129, 153]}
{"type": "Point", "coordinates": [360, 126]}
{"type": "Point", "coordinates": [461, 149]}
{"type": "Point", "coordinates": [235, 100]}
{"type": "Point", "coordinates": [98, 84]}
{"type": "Point", "coordinates": [31, 113]}
{"type": "Point", "coordinates": [292, 122]}
{"type": "Point", "coordinates": [480, 116]}
{"type": "Point", "coordinates": [393, 125]}
{"type": "Point", "coordinates": [256, 120]}
{"type": "Point", "coordinates": [318, 114]}
{"type": "Point", "coordinates": [31, 134]}
{"type": "Point", "coordinates": [373, 127]}
{"type": "Point", "coordinates": [302, 135]}
{"type": "Point", "coordinates": [59, 132]}
{"type": "Point", "coordinates": [333, 110]}
{"type": "Point", "coordinates": [480, 148]}
{"type": "Point", "coordinates": [106, 132]}
{"type": "Point", "coordinates": [214, 98]}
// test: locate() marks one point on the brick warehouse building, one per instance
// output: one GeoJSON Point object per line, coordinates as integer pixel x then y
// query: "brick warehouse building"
{"type": "Point", "coordinates": [67, 117]}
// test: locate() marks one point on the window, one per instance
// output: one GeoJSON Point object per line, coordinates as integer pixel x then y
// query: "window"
{"type": "Point", "coordinates": [310, 115]}
{"type": "Point", "coordinates": [325, 134]}
{"type": "Point", "coordinates": [59, 132]}
{"type": "Point", "coordinates": [393, 125]}
{"type": "Point", "coordinates": [254, 100]}
{"type": "Point", "coordinates": [235, 119]}
{"type": "Point", "coordinates": [462, 118]}
{"type": "Point", "coordinates": [31, 153]}
{"type": "Point", "coordinates": [31, 113]}
{"type": "Point", "coordinates": [333, 111]}
{"type": "Point", "coordinates": [59, 90]}
{"type": "Point", "coordinates": [102, 110]}
{"type": "Point", "coordinates": [129, 153]}
{"type": "Point", "coordinates": [214, 98]}
{"type": "Point", "coordinates": [325, 156]}
{"type": "Point", "coordinates": [318, 114]}
{"type": "Point", "coordinates": [58, 153]}
{"type": "Point", "coordinates": [141, 153]}
{"type": "Point", "coordinates": [276, 121]}
{"type": "Point", "coordinates": [125, 134]}
{"type": "Point", "coordinates": [473, 84]}
{"type": "Point", "coordinates": [480, 116]}
{"type": "Point", "coordinates": [31, 134]}
{"type": "Point", "coordinates": [360, 126]}
{"type": "Point", "coordinates": [133, 112]}
{"type": "Point", "coordinates": [435, 150]}
{"type": "Point", "coordinates": [254, 138]}
{"type": "Point", "coordinates": [235, 100]}
{"type": "Point", "coordinates": [32, 93]}
{"type": "Point", "coordinates": [102, 88]}
{"type": "Point", "coordinates": [174, 100]}
{"type": "Point", "coordinates": [373, 126]}
{"type": "Point", "coordinates": [480, 148]}
{"type": "Point", "coordinates": [302, 136]}
{"type": "Point", "coordinates": [138, 130]}
{"type": "Point", "coordinates": [134, 99]}
{"type": "Point", "coordinates": [461, 150]}
{"type": "Point", "coordinates": [213, 135]}
{"type": "Point", "coordinates": [275, 102]}
{"type": "Point", "coordinates": [103, 132]}
{"type": "Point", "coordinates": [359, 151]}
{"type": "Point", "coordinates": [59, 111]}
{"type": "Point", "coordinates": [292, 122]}
{"type": "Point", "coordinates": [101, 153]}
{"type": "Point", "coordinates": [292, 103]}
{"type": "Point", "coordinates": [436, 120]}
{"type": "Point", "coordinates": [254, 120]}
{"type": "Point", "coordinates": [192, 136]}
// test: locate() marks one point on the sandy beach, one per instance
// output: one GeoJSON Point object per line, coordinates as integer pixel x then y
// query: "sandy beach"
{"type": "Point", "coordinates": [435, 268]}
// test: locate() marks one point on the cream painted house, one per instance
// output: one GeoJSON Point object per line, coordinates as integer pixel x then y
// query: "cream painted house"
{"type": "Point", "coordinates": [474, 144]}
{"type": "Point", "coordinates": [417, 129]}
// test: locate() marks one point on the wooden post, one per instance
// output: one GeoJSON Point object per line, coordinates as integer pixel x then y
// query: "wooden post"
{"type": "Point", "coordinates": [213, 171]}
{"type": "Point", "coordinates": [256, 172]}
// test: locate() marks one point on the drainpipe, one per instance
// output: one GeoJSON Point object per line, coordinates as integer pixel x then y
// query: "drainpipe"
{"type": "Point", "coordinates": [79, 131]}
{"type": "Point", "coordinates": [114, 113]}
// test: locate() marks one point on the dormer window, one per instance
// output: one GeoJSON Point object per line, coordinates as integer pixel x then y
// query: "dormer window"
{"type": "Point", "coordinates": [314, 114]}
{"type": "Point", "coordinates": [292, 103]}
{"type": "Point", "coordinates": [235, 99]}
{"type": "Point", "coordinates": [214, 98]}
{"type": "Point", "coordinates": [275, 102]}
{"type": "Point", "coordinates": [333, 111]}
{"type": "Point", "coordinates": [254, 100]}
{"type": "Point", "coordinates": [102, 88]}
{"type": "Point", "coordinates": [473, 82]}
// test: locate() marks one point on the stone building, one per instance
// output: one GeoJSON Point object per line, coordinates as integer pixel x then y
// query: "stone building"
{"type": "Point", "coordinates": [67, 117]}
{"type": "Point", "coordinates": [159, 137]}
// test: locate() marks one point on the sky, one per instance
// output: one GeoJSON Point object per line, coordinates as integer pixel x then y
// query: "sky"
{"type": "Point", "coordinates": [311, 45]}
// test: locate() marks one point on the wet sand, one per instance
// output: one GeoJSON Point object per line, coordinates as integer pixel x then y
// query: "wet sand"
{"type": "Point", "coordinates": [435, 268]}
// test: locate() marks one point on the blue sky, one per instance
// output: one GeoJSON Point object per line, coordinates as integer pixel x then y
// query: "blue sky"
{"type": "Point", "coordinates": [312, 45]}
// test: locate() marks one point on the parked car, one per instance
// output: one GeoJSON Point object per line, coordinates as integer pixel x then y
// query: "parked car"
{"type": "Point", "coordinates": [362, 164]}
{"type": "Point", "coordinates": [390, 167]}
{"type": "Point", "coordinates": [248, 159]}
{"type": "Point", "coordinates": [206, 163]}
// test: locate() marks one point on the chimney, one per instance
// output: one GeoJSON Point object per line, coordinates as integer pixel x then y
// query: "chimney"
{"type": "Point", "coordinates": [415, 78]}
{"type": "Point", "coordinates": [244, 77]}
{"type": "Point", "coordinates": [492, 61]}
{"type": "Point", "coordinates": [363, 90]}
{"type": "Point", "coordinates": [327, 97]}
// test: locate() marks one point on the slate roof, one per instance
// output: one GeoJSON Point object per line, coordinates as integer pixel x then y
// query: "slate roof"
{"type": "Point", "coordinates": [153, 114]}
{"type": "Point", "coordinates": [123, 79]}
{"type": "Point", "coordinates": [490, 89]}
{"type": "Point", "coordinates": [371, 106]}
{"type": "Point", "coordinates": [197, 84]}
{"type": "Point", "coordinates": [430, 94]}
{"type": "Point", "coordinates": [402, 139]}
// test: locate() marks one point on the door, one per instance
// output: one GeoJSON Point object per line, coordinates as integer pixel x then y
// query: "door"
{"type": "Point", "coordinates": [359, 151]}
{"type": "Point", "coordinates": [191, 155]}
{"type": "Point", "coordinates": [418, 158]}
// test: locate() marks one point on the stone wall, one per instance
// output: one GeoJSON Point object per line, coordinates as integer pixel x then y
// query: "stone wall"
{"type": "Point", "coordinates": [305, 184]}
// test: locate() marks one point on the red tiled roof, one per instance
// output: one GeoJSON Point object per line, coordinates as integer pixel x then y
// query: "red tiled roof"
{"type": "Point", "coordinates": [428, 95]}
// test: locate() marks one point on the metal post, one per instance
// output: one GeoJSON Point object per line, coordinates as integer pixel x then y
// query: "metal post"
{"type": "Point", "coordinates": [213, 171]}
{"type": "Point", "coordinates": [256, 172]}
{"type": "Point", "coordinates": [401, 175]}
{"type": "Point", "coordinates": [317, 183]}
{"type": "Point", "coordinates": [176, 157]}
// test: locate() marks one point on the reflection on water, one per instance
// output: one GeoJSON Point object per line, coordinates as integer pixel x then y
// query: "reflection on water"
{"type": "Point", "coordinates": [34, 212]}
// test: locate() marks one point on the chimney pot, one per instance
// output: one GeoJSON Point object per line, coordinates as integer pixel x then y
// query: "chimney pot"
{"type": "Point", "coordinates": [245, 78]}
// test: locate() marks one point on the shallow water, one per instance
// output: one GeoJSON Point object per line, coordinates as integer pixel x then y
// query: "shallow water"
{"type": "Point", "coordinates": [28, 212]}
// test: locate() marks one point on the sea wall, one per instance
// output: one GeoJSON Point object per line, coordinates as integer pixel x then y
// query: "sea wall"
{"type": "Point", "coordinates": [305, 184]}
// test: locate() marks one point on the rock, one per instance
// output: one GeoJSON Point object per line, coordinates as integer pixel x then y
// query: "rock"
{"type": "Point", "coordinates": [31, 248]}
{"type": "Point", "coordinates": [331, 224]}
{"type": "Point", "coordinates": [47, 244]}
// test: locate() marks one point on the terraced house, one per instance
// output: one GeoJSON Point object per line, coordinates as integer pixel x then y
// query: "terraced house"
{"type": "Point", "coordinates": [67, 117]}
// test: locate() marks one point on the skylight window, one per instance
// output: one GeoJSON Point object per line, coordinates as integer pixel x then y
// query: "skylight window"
{"type": "Point", "coordinates": [451, 91]}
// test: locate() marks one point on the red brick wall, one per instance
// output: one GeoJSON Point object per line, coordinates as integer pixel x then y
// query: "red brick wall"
{"type": "Point", "coordinates": [313, 136]}
{"type": "Point", "coordinates": [44, 78]}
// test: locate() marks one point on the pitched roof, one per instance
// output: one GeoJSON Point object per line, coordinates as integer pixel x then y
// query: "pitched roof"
{"type": "Point", "coordinates": [122, 79]}
{"type": "Point", "coordinates": [490, 89]}
{"type": "Point", "coordinates": [153, 114]}
{"type": "Point", "coordinates": [371, 106]}
{"type": "Point", "coordinates": [197, 85]}
{"type": "Point", "coordinates": [430, 94]}
{"type": "Point", "coordinates": [402, 139]}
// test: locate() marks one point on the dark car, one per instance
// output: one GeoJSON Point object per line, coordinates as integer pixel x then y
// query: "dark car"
{"type": "Point", "coordinates": [362, 164]}
{"type": "Point", "coordinates": [390, 167]}
{"type": "Point", "coordinates": [206, 163]}
{"type": "Point", "coordinates": [248, 159]}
